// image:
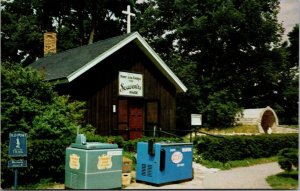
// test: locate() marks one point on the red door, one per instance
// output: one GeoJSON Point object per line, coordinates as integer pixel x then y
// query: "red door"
{"type": "Point", "coordinates": [136, 120]}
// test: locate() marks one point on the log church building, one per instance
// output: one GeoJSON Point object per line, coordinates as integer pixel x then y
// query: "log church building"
{"type": "Point", "coordinates": [128, 88]}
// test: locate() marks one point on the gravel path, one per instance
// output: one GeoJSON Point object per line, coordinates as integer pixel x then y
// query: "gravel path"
{"type": "Point", "coordinates": [240, 178]}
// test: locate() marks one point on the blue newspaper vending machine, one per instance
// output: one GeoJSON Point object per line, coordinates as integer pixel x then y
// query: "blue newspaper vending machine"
{"type": "Point", "coordinates": [161, 162]}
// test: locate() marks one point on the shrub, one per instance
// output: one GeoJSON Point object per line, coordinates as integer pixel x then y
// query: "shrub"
{"type": "Point", "coordinates": [287, 158]}
{"type": "Point", "coordinates": [242, 147]}
{"type": "Point", "coordinates": [130, 145]}
{"type": "Point", "coordinates": [30, 104]}
{"type": "Point", "coordinates": [105, 139]}
{"type": "Point", "coordinates": [221, 109]}
{"type": "Point", "coordinates": [45, 158]}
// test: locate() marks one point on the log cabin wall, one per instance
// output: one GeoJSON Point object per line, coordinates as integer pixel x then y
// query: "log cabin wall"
{"type": "Point", "coordinates": [99, 88]}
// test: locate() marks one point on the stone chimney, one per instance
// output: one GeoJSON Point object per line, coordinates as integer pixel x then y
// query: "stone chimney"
{"type": "Point", "coordinates": [49, 43]}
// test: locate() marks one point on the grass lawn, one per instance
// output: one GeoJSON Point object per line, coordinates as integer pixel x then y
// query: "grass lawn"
{"type": "Point", "coordinates": [42, 185]}
{"type": "Point", "coordinates": [234, 164]}
{"type": "Point", "coordinates": [284, 180]}
{"type": "Point", "coordinates": [236, 129]}
{"type": "Point", "coordinates": [290, 126]}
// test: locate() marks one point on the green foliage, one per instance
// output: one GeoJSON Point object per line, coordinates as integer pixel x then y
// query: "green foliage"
{"type": "Point", "coordinates": [232, 148]}
{"type": "Point", "coordinates": [251, 129]}
{"type": "Point", "coordinates": [232, 164]}
{"type": "Point", "coordinates": [29, 104]}
{"type": "Point", "coordinates": [45, 158]}
{"type": "Point", "coordinates": [284, 180]}
{"type": "Point", "coordinates": [293, 48]}
{"type": "Point", "coordinates": [130, 145]}
{"type": "Point", "coordinates": [20, 35]}
{"type": "Point", "coordinates": [44, 184]}
{"type": "Point", "coordinates": [288, 86]}
{"type": "Point", "coordinates": [75, 22]}
{"type": "Point", "coordinates": [221, 110]}
{"type": "Point", "coordinates": [222, 49]}
{"type": "Point", "coordinates": [287, 158]}
{"type": "Point", "coordinates": [105, 139]}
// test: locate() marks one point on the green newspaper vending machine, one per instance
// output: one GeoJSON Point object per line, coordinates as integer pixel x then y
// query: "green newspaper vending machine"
{"type": "Point", "coordinates": [93, 165]}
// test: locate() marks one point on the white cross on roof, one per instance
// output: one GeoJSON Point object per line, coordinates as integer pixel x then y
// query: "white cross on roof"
{"type": "Point", "coordinates": [128, 13]}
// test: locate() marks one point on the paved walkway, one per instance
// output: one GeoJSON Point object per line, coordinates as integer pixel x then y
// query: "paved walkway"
{"type": "Point", "coordinates": [238, 178]}
{"type": "Point", "coordinates": [199, 173]}
{"type": "Point", "coordinates": [242, 178]}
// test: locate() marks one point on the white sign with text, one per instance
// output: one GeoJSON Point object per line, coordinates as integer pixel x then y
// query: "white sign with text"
{"type": "Point", "coordinates": [196, 119]}
{"type": "Point", "coordinates": [131, 84]}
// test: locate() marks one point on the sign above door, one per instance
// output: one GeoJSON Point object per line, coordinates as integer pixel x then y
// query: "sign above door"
{"type": "Point", "coordinates": [131, 84]}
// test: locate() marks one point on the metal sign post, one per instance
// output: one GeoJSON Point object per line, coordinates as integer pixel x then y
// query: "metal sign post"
{"type": "Point", "coordinates": [16, 178]}
{"type": "Point", "coordinates": [17, 148]}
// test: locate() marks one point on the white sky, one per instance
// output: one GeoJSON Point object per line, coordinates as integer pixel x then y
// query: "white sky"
{"type": "Point", "coordinates": [289, 15]}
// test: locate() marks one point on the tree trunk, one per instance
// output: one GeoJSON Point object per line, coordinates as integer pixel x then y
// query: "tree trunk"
{"type": "Point", "coordinates": [91, 39]}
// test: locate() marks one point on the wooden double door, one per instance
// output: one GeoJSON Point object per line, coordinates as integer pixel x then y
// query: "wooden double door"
{"type": "Point", "coordinates": [131, 118]}
{"type": "Point", "coordinates": [134, 117]}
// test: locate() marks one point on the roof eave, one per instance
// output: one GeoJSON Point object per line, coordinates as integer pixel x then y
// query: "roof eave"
{"type": "Point", "coordinates": [138, 39]}
{"type": "Point", "coordinates": [59, 81]}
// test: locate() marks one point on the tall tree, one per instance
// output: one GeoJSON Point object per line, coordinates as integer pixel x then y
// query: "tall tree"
{"type": "Point", "coordinates": [293, 48]}
{"type": "Point", "coordinates": [76, 23]}
{"type": "Point", "coordinates": [216, 47]}
{"type": "Point", "coordinates": [21, 32]}
{"type": "Point", "coordinates": [288, 84]}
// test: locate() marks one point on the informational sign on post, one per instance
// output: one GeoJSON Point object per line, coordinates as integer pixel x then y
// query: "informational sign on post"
{"type": "Point", "coordinates": [196, 119]}
{"type": "Point", "coordinates": [17, 144]}
{"type": "Point", "coordinates": [17, 148]}
{"type": "Point", "coordinates": [17, 163]}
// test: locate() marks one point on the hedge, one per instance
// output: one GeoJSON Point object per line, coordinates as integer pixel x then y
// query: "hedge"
{"type": "Point", "coordinates": [129, 145]}
{"type": "Point", "coordinates": [232, 148]}
{"type": "Point", "coordinates": [46, 158]}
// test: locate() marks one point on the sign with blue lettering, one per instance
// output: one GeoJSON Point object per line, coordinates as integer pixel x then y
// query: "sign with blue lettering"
{"type": "Point", "coordinates": [17, 163]}
{"type": "Point", "coordinates": [17, 144]}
